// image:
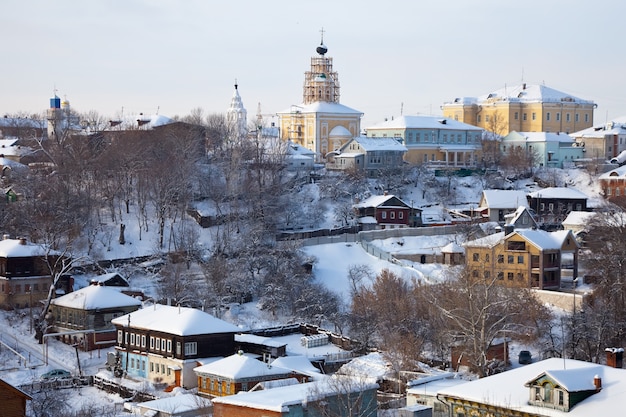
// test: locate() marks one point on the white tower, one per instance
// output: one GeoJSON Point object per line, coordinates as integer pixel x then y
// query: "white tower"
{"type": "Point", "coordinates": [236, 116]}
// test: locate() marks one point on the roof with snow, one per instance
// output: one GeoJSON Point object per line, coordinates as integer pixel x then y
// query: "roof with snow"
{"type": "Point", "coordinates": [540, 137]}
{"type": "Point", "coordinates": [544, 240]}
{"type": "Point", "coordinates": [614, 173]}
{"type": "Point", "coordinates": [526, 93]}
{"type": "Point", "coordinates": [379, 201]}
{"type": "Point", "coordinates": [423, 122]}
{"type": "Point", "coordinates": [508, 389]}
{"type": "Point", "coordinates": [279, 399]}
{"type": "Point", "coordinates": [181, 321]}
{"type": "Point", "coordinates": [321, 107]}
{"type": "Point", "coordinates": [240, 366]}
{"type": "Point", "coordinates": [95, 297]}
{"type": "Point", "coordinates": [378, 144]}
{"type": "Point", "coordinates": [578, 218]}
{"type": "Point", "coordinates": [559, 192]}
{"type": "Point", "coordinates": [500, 199]}
{"type": "Point", "coordinates": [20, 248]}
{"type": "Point", "coordinates": [614, 127]}
{"type": "Point", "coordinates": [452, 248]}
{"type": "Point", "coordinates": [297, 363]}
{"type": "Point", "coordinates": [178, 404]}
{"type": "Point", "coordinates": [488, 241]}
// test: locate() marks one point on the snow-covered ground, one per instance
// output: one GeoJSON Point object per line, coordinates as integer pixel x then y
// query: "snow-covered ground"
{"type": "Point", "coordinates": [333, 262]}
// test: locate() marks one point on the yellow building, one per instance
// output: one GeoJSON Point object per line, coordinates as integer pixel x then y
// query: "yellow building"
{"type": "Point", "coordinates": [523, 258]}
{"type": "Point", "coordinates": [320, 124]}
{"type": "Point", "coordinates": [523, 108]}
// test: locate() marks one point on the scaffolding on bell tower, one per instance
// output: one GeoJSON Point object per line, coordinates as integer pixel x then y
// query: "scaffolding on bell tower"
{"type": "Point", "coordinates": [321, 83]}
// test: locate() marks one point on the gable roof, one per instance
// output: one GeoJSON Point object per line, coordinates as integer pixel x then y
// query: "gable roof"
{"type": "Point", "coordinates": [181, 321]}
{"type": "Point", "coordinates": [424, 122]}
{"type": "Point", "coordinates": [564, 193]}
{"type": "Point", "coordinates": [544, 240]}
{"type": "Point", "coordinates": [501, 199]}
{"type": "Point", "coordinates": [20, 248]}
{"type": "Point", "coordinates": [381, 201]}
{"type": "Point", "coordinates": [507, 389]}
{"type": "Point", "coordinates": [95, 297]}
{"type": "Point", "coordinates": [377, 144]}
{"type": "Point", "coordinates": [240, 366]}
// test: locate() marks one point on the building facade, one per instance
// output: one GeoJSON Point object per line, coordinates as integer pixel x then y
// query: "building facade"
{"type": "Point", "coordinates": [26, 273]}
{"type": "Point", "coordinates": [523, 258]}
{"type": "Point", "coordinates": [552, 150]}
{"type": "Point", "coordinates": [433, 140]}
{"type": "Point", "coordinates": [523, 108]}
{"type": "Point", "coordinates": [165, 343]}
{"type": "Point", "coordinates": [374, 156]}
{"type": "Point", "coordinates": [320, 123]}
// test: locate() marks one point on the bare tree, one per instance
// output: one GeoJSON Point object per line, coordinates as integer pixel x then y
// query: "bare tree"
{"type": "Point", "coordinates": [343, 396]}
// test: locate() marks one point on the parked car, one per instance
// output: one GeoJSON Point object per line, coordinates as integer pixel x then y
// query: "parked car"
{"type": "Point", "coordinates": [525, 357]}
{"type": "Point", "coordinates": [56, 374]}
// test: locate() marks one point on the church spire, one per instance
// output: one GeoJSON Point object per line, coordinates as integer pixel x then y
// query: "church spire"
{"type": "Point", "coordinates": [236, 116]}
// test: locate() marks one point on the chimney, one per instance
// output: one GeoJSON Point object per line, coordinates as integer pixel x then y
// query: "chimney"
{"type": "Point", "coordinates": [524, 86]}
{"type": "Point", "coordinates": [614, 357]}
{"type": "Point", "coordinates": [597, 382]}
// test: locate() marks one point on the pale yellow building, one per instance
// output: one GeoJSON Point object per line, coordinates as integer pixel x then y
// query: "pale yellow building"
{"type": "Point", "coordinates": [320, 124]}
{"type": "Point", "coordinates": [522, 258]}
{"type": "Point", "coordinates": [523, 108]}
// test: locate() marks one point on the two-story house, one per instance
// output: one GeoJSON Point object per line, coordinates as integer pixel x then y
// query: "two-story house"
{"type": "Point", "coordinates": [547, 149]}
{"type": "Point", "coordinates": [85, 315]}
{"type": "Point", "coordinates": [235, 373]}
{"type": "Point", "coordinates": [374, 156]}
{"type": "Point", "coordinates": [552, 205]}
{"type": "Point", "coordinates": [549, 388]}
{"type": "Point", "coordinates": [523, 258]}
{"type": "Point", "coordinates": [387, 212]}
{"type": "Point", "coordinates": [26, 273]}
{"type": "Point", "coordinates": [494, 205]}
{"type": "Point", "coordinates": [165, 343]}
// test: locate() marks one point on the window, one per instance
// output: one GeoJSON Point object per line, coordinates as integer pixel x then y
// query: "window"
{"type": "Point", "coordinates": [163, 344]}
{"type": "Point", "coordinates": [169, 345]}
{"type": "Point", "coordinates": [534, 116]}
{"type": "Point", "coordinates": [475, 273]}
{"type": "Point", "coordinates": [514, 245]}
{"type": "Point", "coordinates": [486, 118]}
{"type": "Point", "coordinates": [516, 116]}
{"type": "Point", "coordinates": [401, 215]}
{"type": "Point", "coordinates": [524, 116]}
{"type": "Point", "coordinates": [132, 363]}
{"type": "Point", "coordinates": [191, 348]}
{"type": "Point", "coordinates": [162, 368]}
{"type": "Point", "coordinates": [576, 118]}
{"type": "Point", "coordinates": [567, 118]}
{"type": "Point", "coordinates": [500, 259]}
{"type": "Point", "coordinates": [178, 348]}
{"type": "Point", "coordinates": [510, 259]}
{"type": "Point", "coordinates": [383, 215]}
{"type": "Point", "coordinates": [500, 275]}
{"type": "Point", "coordinates": [392, 215]}
{"type": "Point", "coordinates": [520, 259]}
{"type": "Point", "coordinates": [132, 339]}
{"type": "Point", "coordinates": [475, 257]}
{"type": "Point", "coordinates": [548, 116]}
{"type": "Point", "coordinates": [561, 397]}
{"type": "Point", "coordinates": [486, 257]}
{"type": "Point", "coordinates": [487, 274]}
{"type": "Point", "coordinates": [558, 117]}
{"type": "Point", "coordinates": [509, 276]}
{"type": "Point", "coordinates": [143, 340]}
{"type": "Point", "coordinates": [119, 337]}
{"type": "Point", "coordinates": [151, 342]}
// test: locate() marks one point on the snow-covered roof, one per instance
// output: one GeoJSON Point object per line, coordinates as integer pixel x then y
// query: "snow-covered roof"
{"type": "Point", "coordinates": [501, 199]}
{"type": "Point", "coordinates": [452, 248]}
{"type": "Point", "coordinates": [578, 218]}
{"type": "Point", "coordinates": [182, 403]}
{"type": "Point", "coordinates": [379, 144]}
{"type": "Point", "coordinates": [259, 340]}
{"type": "Point", "coordinates": [240, 366]}
{"type": "Point", "coordinates": [558, 192]}
{"type": "Point", "coordinates": [95, 297]}
{"type": "Point", "coordinates": [488, 241]}
{"type": "Point", "coordinates": [614, 127]}
{"type": "Point", "coordinates": [321, 107]}
{"type": "Point", "coordinates": [614, 173]}
{"type": "Point", "coordinates": [18, 248]}
{"type": "Point", "coordinates": [423, 122]}
{"type": "Point", "coordinates": [297, 363]}
{"type": "Point", "coordinates": [541, 137]}
{"type": "Point", "coordinates": [181, 321]}
{"type": "Point", "coordinates": [507, 389]}
{"type": "Point", "coordinates": [278, 399]}
{"type": "Point", "coordinates": [375, 201]}
{"type": "Point", "coordinates": [526, 93]}
{"type": "Point", "coordinates": [373, 365]}
{"type": "Point", "coordinates": [542, 239]}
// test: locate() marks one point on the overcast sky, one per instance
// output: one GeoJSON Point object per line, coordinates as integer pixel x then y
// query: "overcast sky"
{"type": "Point", "coordinates": [393, 57]}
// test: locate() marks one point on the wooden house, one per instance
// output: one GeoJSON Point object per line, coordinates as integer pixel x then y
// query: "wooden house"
{"type": "Point", "coordinates": [13, 400]}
